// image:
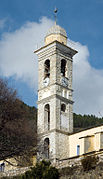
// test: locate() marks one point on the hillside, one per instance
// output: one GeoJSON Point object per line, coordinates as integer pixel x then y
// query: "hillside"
{"type": "Point", "coordinates": [31, 112]}
{"type": "Point", "coordinates": [81, 122]}
{"type": "Point", "coordinates": [19, 136]}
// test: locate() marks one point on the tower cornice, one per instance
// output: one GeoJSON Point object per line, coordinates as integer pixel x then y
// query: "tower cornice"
{"type": "Point", "coordinates": [54, 130]}
{"type": "Point", "coordinates": [68, 51]}
{"type": "Point", "coordinates": [55, 96]}
{"type": "Point", "coordinates": [56, 84]}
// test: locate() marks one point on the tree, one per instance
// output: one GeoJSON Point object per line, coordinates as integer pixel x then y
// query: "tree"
{"type": "Point", "coordinates": [85, 121]}
{"type": "Point", "coordinates": [17, 132]}
{"type": "Point", "coordinates": [42, 170]}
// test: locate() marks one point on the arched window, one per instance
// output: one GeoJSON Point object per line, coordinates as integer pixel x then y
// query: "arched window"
{"type": "Point", "coordinates": [63, 67]}
{"type": "Point", "coordinates": [46, 148]}
{"type": "Point", "coordinates": [47, 69]}
{"type": "Point", "coordinates": [47, 116]}
{"type": "Point", "coordinates": [63, 107]}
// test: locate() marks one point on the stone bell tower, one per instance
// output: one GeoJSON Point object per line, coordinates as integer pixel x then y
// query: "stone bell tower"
{"type": "Point", "coordinates": [55, 114]}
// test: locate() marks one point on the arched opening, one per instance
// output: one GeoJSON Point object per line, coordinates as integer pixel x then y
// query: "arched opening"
{"type": "Point", "coordinates": [46, 148]}
{"type": "Point", "coordinates": [47, 69]}
{"type": "Point", "coordinates": [63, 67]}
{"type": "Point", "coordinates": [47, 116]}
{"type": "Point", "coordinates": [63, 107]}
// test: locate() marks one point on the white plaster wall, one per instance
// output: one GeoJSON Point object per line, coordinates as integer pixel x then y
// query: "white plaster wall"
{"type": "Point", "coordinates": [78, 139]}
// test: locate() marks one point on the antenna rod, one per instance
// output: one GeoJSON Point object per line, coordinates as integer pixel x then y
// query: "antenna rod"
{"type": "Point", "coordinates": [55, 14]}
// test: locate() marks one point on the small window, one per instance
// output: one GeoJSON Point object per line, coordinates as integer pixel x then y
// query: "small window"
{"type": "Point", "coordinates": [78, 149]}
{"type": "Point", "coordinates": [63, 67]}
{"type": "Point", "coordinates": [63, 107]}
{"type": "Point", "coordinates": [67, 94]}
{"type": "Point", "coordinates": [47, 69]}
{"type": "Point", "coordinates": [63, 93]}
{"type": "Point", "coordinates": [2, 166]}
{"type": "Point", "coordinates": [47, 116]}
{"type": "Point", "coordinates": [46, 148]}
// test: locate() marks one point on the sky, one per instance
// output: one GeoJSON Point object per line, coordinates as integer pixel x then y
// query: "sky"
{"type": "Point", "coordinates": [23, 26]}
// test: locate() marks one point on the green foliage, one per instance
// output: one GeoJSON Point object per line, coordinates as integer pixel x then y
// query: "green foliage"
{"type": "Point", "coordinates": [18, 129]}
{"type": "Point", "coordinates": [31, 111]}
{"type": "Point", "coordinates": [42, 170]}
{"type": "Point", "coordinates": [86, 121]}
{"type": "Point", "coordinates": [89, 162]}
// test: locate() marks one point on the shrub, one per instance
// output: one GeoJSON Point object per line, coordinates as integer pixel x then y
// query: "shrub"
{"type": "Point", "coordinates": [89, 162]}
{"type": "Point", "coordinates": [42, 170]}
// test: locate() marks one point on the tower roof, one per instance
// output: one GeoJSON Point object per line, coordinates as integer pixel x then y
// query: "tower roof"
{"type": "Point", "coordinates": [56, 29]}
{"type": "Point", "coordinates": [56, 33]}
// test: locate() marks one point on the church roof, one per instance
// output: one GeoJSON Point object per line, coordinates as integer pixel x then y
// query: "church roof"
{"type": "Point", "coordinates": [56, 29]}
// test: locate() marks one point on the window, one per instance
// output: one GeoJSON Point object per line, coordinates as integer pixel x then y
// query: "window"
{"type": "Point", "coordinates": [63, 107]}
{"type": "Point", "coordinates": [63, 67]}
{"type": "Point", "coordinates": [67, 94]}
{"type": "Point", "coordinates": [47, 69]}
{"type": "Point", "coordinates": [2, 166]}
{"type": "Point", "coordinates": [47, 116]}
{"type": "Point", "coordinates": [46, 148]}
{"type": "Point", "coordinates": [78, 149]}
{"type": "Point", "coordinates": [63, 93]}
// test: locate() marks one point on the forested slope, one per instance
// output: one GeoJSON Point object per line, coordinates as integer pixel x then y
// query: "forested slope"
{"type": "Point", "coordinates": [18, 134]}
{"type": "Point", "coordinates": [85, 121]}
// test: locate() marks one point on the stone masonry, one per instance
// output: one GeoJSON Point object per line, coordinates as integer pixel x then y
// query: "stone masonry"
{"type": "Point", "coordinates": [56, 93]}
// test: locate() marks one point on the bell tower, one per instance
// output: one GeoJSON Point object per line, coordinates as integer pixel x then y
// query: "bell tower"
{"type": "Point", "coordinates": [55, 113]}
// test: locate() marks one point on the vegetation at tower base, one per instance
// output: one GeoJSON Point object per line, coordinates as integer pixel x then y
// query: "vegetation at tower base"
{"type": "Point", "coordinates": [42, 170]}
{"type": "Point", "coordinates": [17, 125]}
{"type": "Point", "coordinates": [73, 172]}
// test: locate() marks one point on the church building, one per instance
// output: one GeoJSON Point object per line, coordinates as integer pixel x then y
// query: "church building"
{"type": "Point", "coordinates": [56, 140]}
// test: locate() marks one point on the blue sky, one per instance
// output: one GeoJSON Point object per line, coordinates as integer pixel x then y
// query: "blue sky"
{"type": "Point", "coordinates": [83, 22]}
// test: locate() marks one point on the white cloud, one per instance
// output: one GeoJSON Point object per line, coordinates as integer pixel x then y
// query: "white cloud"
{"type": "Point", "coordinates": [87, 83]}
{"type": "Point", "coordinates": [16, 51]}
{"type": "Point", "coordinates": [17, 59]}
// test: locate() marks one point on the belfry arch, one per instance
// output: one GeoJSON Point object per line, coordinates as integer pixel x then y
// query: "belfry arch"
{"type": "Point", "coordinates": [47, 69]}
{"type": "Point", "coordinates": [64, 67]}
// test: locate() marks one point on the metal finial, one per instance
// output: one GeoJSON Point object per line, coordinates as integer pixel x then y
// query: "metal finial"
{"type": "Point", "coordinates": [55, 14]}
